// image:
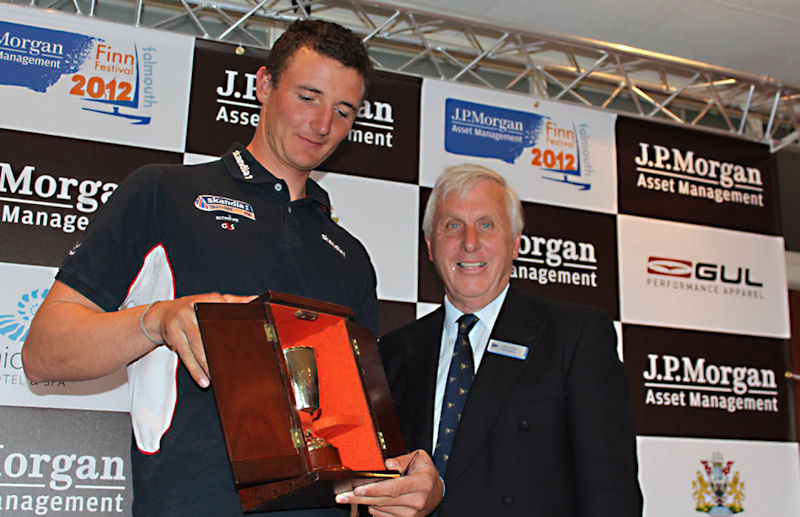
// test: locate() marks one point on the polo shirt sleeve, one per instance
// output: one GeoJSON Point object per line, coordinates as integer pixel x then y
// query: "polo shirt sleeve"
{"type": "Point", "coordinates": [105, 262]}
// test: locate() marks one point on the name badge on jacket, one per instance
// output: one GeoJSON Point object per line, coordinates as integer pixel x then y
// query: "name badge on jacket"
{"type": "Point", "coordinates": [507, 349]}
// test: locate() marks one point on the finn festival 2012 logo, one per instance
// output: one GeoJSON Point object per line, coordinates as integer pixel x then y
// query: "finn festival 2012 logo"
{"type": "Point", "coordinates": [559, 149]}
{"type": "Point", "coordinates": [109, 78]}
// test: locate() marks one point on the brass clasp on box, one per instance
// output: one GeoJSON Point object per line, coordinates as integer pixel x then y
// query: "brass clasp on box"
{"type": "Point", "coordinates": [305, 315]}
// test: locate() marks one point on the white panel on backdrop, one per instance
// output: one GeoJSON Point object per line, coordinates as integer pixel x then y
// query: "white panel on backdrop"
{"type": "Point", "coordinates": [751, 478]}
{"type": "Point", "coordinates": [383, 215]}
{"type": "Point", "coordinates": [618, 329]}
{"type": "Point", "coordinates": [106, 82]}
{"type": "Point", "coordinates": [194, 159]}
{"type": "Point", "coordinates": [24, 288]}
{"type": "Point", "coordinates": [426, 308]}
{"type": "Point", "coordinates": [550, 152]}
{"type": "Point", "coordinates": [687, 276]}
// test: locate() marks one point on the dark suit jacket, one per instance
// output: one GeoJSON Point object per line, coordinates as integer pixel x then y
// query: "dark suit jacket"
{"type": "Point", "coordinates": [548, 436]}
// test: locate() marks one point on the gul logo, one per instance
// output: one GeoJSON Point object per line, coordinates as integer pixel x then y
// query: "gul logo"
{"type": "Point", "coordinates": [113, 79]}
{"type": "Point", "coordinates": [54, 194]}
{"type": "Point", "coordinates": [669, 267]}
{"type": "Point", "coordinates": [692, 382]}
{"type": "Point", "coordinates": [716, 489]}
{"type": "Point", "coordinates": [556, 261]}
{"type": "Point", "coordinates": [72, 479]}
{"type": "Point", "coordinates": [706, 277]}
{"type": "Point", "coordinates": [237, 98]}
{"type": "Point", "coordinates": [15, 326]}
{"type": "Point", "coordinates": [558, 149]}
{"type": "Point", "coordinates": [212, 203]}
{"type": "Point", "coordinates": [672, 170]}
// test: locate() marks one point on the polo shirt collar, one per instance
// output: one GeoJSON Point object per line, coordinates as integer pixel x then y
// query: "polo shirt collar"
{"type": "Point", "coordinates": [251, 171]}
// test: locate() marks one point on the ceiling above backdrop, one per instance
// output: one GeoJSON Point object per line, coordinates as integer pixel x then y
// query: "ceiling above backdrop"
{"type": "Point", "coordinates": [760, 37]}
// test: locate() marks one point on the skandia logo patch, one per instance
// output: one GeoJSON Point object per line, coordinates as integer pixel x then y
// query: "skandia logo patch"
{"type": "Point", "coordinates": [212, 203]}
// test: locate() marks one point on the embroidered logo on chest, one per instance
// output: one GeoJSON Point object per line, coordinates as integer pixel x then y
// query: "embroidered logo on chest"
{"type": "Point", "coordinates": [212, 203]}
{"type": "Point", "coordinates": [333, 244]}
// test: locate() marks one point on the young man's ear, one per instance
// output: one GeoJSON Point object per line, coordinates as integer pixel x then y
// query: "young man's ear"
{"type": "Point", "coordinates": [263, 84]}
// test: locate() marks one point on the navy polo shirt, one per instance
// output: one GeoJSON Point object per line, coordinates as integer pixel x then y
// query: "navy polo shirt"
{"type": "Point", "coordinates": [227, 226]}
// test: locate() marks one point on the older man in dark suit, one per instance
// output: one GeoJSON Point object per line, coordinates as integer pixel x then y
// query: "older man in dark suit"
{"type": "Point", "coordinates": [521, 401]}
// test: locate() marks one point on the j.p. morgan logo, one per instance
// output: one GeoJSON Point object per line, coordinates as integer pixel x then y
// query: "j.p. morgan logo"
{"type": "Point", "coordinates": [237, 100]}
{"type": "Point", "coordinates": [706, 277]}
{"type": "Point", "coordinates": [43, 482]}
{"type": "Point", "coordinates": [556, 261]}
{"type": "Point", "coordinates": [694, 382]}
{"type": "Point", "coordinates": [53, 198]}
{"type": "Point", "coordinates": [676, 171]}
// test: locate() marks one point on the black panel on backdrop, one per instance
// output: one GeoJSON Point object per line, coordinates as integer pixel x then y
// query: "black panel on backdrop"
{"type": "Point", "coordinates": [50, 187]}
{"type": "Point", "coordinates": [710, 385]}
{"type": "Point", "coordinates": [788, 164]}
{"type": "Point", "coordinates": [223, 107]}
{"type": "Point", "coordinates": [384, 140]}
{"type": "Point", "coordinates": [565, 254]}
{"type": "Point", "coordinates": [393, 315]}
{"type": "Point", "coordinates": [59, 460]}
{"type": "Point", "coordinates": [695, 177]}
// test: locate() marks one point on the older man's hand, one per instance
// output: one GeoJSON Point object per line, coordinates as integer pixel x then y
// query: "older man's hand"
{"type": "Point", "coordinates": [418, 492]}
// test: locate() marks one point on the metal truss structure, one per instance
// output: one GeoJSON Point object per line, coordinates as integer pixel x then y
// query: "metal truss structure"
{"type": "Point", "coordinates": [427, 43]}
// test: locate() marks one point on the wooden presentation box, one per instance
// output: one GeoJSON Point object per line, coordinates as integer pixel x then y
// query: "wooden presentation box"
{"type": "Point", "coordinates": [272, 466]}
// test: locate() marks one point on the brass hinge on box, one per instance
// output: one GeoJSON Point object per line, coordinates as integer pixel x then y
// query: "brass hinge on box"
{"type": "Point", "coordinates": [381, 441]}
{"type": "Point", "coordinates": [269, 330]}
{"type": "Point", "coordinates": [355, 346]}
{"type": "Point", "coordinates": [297, 439]}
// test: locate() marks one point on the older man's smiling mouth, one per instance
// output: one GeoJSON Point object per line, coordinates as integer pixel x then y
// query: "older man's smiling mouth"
{"type": "Point", "coordinates": [470, 265]}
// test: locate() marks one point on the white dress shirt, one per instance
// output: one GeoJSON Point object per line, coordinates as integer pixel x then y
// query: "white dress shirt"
{"type": "Point", "coordinates": [478, 339]}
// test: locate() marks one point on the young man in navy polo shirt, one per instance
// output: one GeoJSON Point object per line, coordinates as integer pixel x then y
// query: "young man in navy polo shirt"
{"type": "Point", "coordinates": [172, 236]}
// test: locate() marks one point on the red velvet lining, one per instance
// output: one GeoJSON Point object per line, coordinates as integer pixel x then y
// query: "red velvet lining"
{"type": "Point", "coordinates": [344, 418]}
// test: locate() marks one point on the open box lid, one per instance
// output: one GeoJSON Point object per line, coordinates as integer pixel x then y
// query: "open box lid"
{"type": "Point", "coordinates": [262, 428]}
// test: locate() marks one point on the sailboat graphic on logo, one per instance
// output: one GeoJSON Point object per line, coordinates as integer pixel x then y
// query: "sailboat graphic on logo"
{"type": "Point", "coordinates": [123, 101]}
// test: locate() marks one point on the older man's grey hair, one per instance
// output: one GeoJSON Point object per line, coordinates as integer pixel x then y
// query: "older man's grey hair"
{"type": "Point", "coordinates": [460, 179]}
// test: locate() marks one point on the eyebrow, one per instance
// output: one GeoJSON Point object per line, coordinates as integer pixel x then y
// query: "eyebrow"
{"type": "Point", "coordinates": [311, 89]}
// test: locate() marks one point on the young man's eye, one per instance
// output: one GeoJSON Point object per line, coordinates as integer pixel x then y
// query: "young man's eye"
{"type": "Point", "coordinates": [343, 114]}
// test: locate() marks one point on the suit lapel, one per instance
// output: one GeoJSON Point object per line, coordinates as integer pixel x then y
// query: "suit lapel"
{"type": "Point", "coordinates": [423, 360]}
{"type": "Point", "coordinates": [521, 323]}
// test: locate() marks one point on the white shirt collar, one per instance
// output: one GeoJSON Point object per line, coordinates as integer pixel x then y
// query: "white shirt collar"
{"type": "Point", "coordinates": [487, 315]}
